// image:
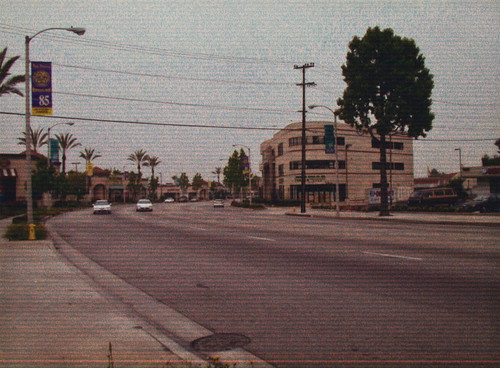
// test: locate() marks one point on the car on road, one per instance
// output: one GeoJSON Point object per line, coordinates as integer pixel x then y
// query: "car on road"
{"type": "Point", "coordinates": [183, 199]}
{"type": "Point", "coordinates": [483, 203]}
{"type": "Point", "coordinates": [169, 200]}
{"type": "Point", "coordinates": [102, 206]}
{"type": "Point", "coordinates": [218, 203]}
{"type": "Point", "coordinates": [433, 197]}
{"type": "Point", "coordinates": [144, 205]}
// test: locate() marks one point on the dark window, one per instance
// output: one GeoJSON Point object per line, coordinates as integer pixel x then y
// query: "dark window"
{"type": "Point", "coordinates": [389, 166]}
{"type": "Point", "coordinates": [280, 149]}
{"type": "Point", "coordinates": [388, 145]}
{"type": "Point", "coordinates": [281, 170]}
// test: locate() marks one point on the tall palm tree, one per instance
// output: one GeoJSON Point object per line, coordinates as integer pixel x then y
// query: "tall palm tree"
{"type": "Point", "coordinates": [218, 171]}
{"type": "Point", "coordinates": [152, 162]}
{"type": "Point", "coordinates": [89, 154]}
{"type": "Point", "coordinates": [66, 142]}
{"type": "Point", "coordinates": [8, 85]}
{"type": "Point", "coordinates": [138, 157]}
{"type": "Point", "coordinates": [38, 138]}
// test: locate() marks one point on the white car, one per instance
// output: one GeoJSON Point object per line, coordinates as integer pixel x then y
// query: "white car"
{"type": "Point", "coordinates": [169, 200]}
{"type": "Point", "coordinates": [102, 206]}
{"type": "Point", "coordinates": [144, 205]}
{"type": "Point", "coordinates": [218, 203]}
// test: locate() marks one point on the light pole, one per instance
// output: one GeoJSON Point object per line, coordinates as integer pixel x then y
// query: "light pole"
{"type": "Point", "coordinates": [337, 188]}
{"type": "Point", "coordinates": [249, 170]}
{"type": "Point", "coordinates": [347, 146]}
{"type": "Point", "coordinates": [48, 138]}
{"type": "Point", "coordinates": [459, 159]}
{"type": "Point", "coordinates": [29, 189]}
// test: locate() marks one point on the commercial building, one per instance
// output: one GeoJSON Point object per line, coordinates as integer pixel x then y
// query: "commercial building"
{"type": "Point", "coordinates": [358, 166]}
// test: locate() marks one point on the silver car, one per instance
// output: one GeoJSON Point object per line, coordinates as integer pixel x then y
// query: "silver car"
{"type": "Point", "coordinates": [144, 205]}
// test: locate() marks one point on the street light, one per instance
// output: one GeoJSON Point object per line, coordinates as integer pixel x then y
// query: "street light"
{"type": "Point", "coordinates": [249, 170]}
{"type": "Point", "coordinates": [347, 146]}
{"type": "Point", "coordinates": [29, 189]}
{"type": "Point", "coordinates": [337, 189]}
{"type": "Point", "coordinates": [48, 138]}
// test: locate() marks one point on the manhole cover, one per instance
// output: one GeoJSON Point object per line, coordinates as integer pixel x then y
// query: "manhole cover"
{"type": "Point", "coordinates": [220, 342]}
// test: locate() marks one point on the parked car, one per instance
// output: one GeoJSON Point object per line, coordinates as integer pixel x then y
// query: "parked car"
{"type": "Point", "coordinates": [183, 199]}
{"type": "Point", "coordinates": [483, 203]}
{"type": "Point", "coordinates": [102, 206]}
{"type": "Point", "coordinates": [169, 200]}
{"type": "Point", "coordinates": [194, 199]}
{"type": "Point", "coordinates": [218, 203]}
{"type": "Point", "coordinates": [432, 197]}
{"type": "Point", "coordinates": [144, 205]}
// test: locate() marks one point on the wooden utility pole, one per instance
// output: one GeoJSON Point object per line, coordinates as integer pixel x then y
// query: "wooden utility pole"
{"type": "Point", "coordinates": [304, 85]}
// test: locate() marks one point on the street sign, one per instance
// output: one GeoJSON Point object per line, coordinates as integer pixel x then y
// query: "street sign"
{"type": "Point", "coordinates": [329, 139]}
{"type": "Point", "coordinates": [54, 150]}
{"type": "Point", "coordinates": [41, 88]}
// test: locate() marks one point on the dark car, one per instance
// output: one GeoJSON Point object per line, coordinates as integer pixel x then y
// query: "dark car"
{"type": "Point", "coordinates": [483, 203]}
{"type": "Point", "coordinates": [433, 197]}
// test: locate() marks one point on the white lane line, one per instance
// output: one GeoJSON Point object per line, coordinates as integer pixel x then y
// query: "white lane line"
{"type": "Point", "coordinates": [258, 238]}
{"type": "Point", "coordinates": [394, 256]}
{"type": "Point", "coordinates": [197, 228]}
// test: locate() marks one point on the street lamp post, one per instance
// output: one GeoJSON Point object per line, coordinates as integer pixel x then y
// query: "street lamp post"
{"type": "Point", "coordinates": [29, 189]}
{"type": "Point", "coordinates": [337, 188]}
{"type": "Point", "coordinates": [48, 138]}
{"type": "Point", "coordinates": [347, 146]}
{"type": "Point", "coordinates": [249, 169]}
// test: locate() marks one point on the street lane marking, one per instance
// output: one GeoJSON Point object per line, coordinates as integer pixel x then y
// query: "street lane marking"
{"type": "Point", "coordinates": [394, 256]}
{"type": "Point", "coordinates": [258, 238]}
{"type": "Point", "coordinates": [197, 228]}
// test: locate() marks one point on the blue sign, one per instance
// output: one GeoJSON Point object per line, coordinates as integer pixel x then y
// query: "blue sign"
{"type": "Point", "coordinates": [54, 150]}
{"type": "Point", "coordinates": [41, 88]}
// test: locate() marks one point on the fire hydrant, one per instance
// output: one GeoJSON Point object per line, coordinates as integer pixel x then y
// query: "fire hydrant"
{"type": "Point", "coordinates": [31, 232]}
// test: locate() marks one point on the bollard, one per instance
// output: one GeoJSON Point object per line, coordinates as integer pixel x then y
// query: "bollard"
{"type": "Point", "coordinates": [31, 235]}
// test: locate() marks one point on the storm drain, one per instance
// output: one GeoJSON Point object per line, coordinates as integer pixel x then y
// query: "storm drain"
{"type": "Point", "coordinates": [220, 342]}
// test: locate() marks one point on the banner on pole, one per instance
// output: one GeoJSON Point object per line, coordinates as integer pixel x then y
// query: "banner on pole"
{"type": "Point", "coordinates": [329, 139]}
{"type": "Point", "coordinates": [41, 88]}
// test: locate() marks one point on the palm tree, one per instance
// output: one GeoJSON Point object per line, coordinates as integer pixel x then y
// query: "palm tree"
{"type": "Point", "coordinates": [89, 154]}
{"type": "Point", "coordinates": [8, 85]}
{"type": "Point", "coordinates": [38, 138]}
{"type": "Point", "coordinates": [139, 157]}
{"type": "Point", "coordinates": [218, 171]}
{"type": "Point", "coordinates": [66, 142]}
{"type": "Point", "coordinates": [152, 162]}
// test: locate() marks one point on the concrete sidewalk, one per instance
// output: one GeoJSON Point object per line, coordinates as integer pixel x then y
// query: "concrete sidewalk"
{"type": "Point", "coordinates": [52, 315]}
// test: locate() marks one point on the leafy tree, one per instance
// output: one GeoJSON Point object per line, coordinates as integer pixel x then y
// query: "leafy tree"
{"type": "Point", "coordinates": [388, 91]}
{"type": "Point", "coordinates": [234, 178]}
{"type": "Point", "coordinates": [38, 138]}
{"type": "Point", "coordinates": [139, 157]}
{"type": "Point", "coordinates": [43, 178]}
{"type": "Point", "coordinates": [7, 83]}
{"type": "Point", "coordinates": [134, 184]}
{"type": "Point", "coordinates": [183, 181]}
{"type": "Point", "coordinates": [197, 182]}
{"type": "Point", "coordinates": [66, 142]}
{"type": "Point", "coordinates": [153, 187]}
{"type": "Point", "coordinates": [497, 143]}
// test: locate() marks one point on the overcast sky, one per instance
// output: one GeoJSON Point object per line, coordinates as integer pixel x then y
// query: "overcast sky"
{"type": "Point", "coordinates": [214, 69]}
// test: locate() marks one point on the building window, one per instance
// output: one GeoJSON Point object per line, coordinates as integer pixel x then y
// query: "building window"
{"type": "Point", "coordinates": [388, 145]}
{"type": "Point", "coordinates": [389, 166]}
{"type": "Point", "coordinates": [295, 141]}
{"type": "Point", "coordinates": [281, 170]}
{"type": "Point", "coordinates": [280, 149]}
{"type": "Point", "coordinates": [313, 140]}
{"type": "Point", "coordinates": [317, 164]}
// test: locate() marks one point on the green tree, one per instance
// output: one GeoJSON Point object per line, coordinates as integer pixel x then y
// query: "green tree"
{"type": "Point", "coordinates": [197, 182]}
{"type": "Point", "coordinates": [89, 155]}
{"type": "Point", "coordinates": [134, 184]}
{"type": "Point", "coordinates": [66, 142]}
{"type": "Point", "coordinates": [7, 83]}
{"type": "Point", "coordinates": [234, 178]}
{"type": "Point", "coordinates": [43, 178]}
{"type": "Point", "coordinates": [38, 138]}
{"type": "Point", "coordinates": [139, 157]}
{"type": "Point", "coordinates": [183, 181]}
{"type": "Point", "coordinates": [217, 171]}
{"type": "Point", "coordinates": [388, 91]}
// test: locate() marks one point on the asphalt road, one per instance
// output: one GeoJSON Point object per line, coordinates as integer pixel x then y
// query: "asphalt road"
{"type": "Point", "coordinates": [308, 291]}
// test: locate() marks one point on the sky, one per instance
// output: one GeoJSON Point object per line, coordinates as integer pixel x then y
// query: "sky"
{"type": "Point", "coordinates": [190, 81]}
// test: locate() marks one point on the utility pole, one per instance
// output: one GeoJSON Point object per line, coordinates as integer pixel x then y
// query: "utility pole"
{"type": "Point", "coordinates": [304, 85]}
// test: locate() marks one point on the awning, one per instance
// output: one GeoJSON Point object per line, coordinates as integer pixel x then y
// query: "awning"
{"type": "Point", "coordinates": [9, 173]}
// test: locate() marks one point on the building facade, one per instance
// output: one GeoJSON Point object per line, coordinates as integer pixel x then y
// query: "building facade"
{"type": "Point", "coordinates": [358, 166]}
